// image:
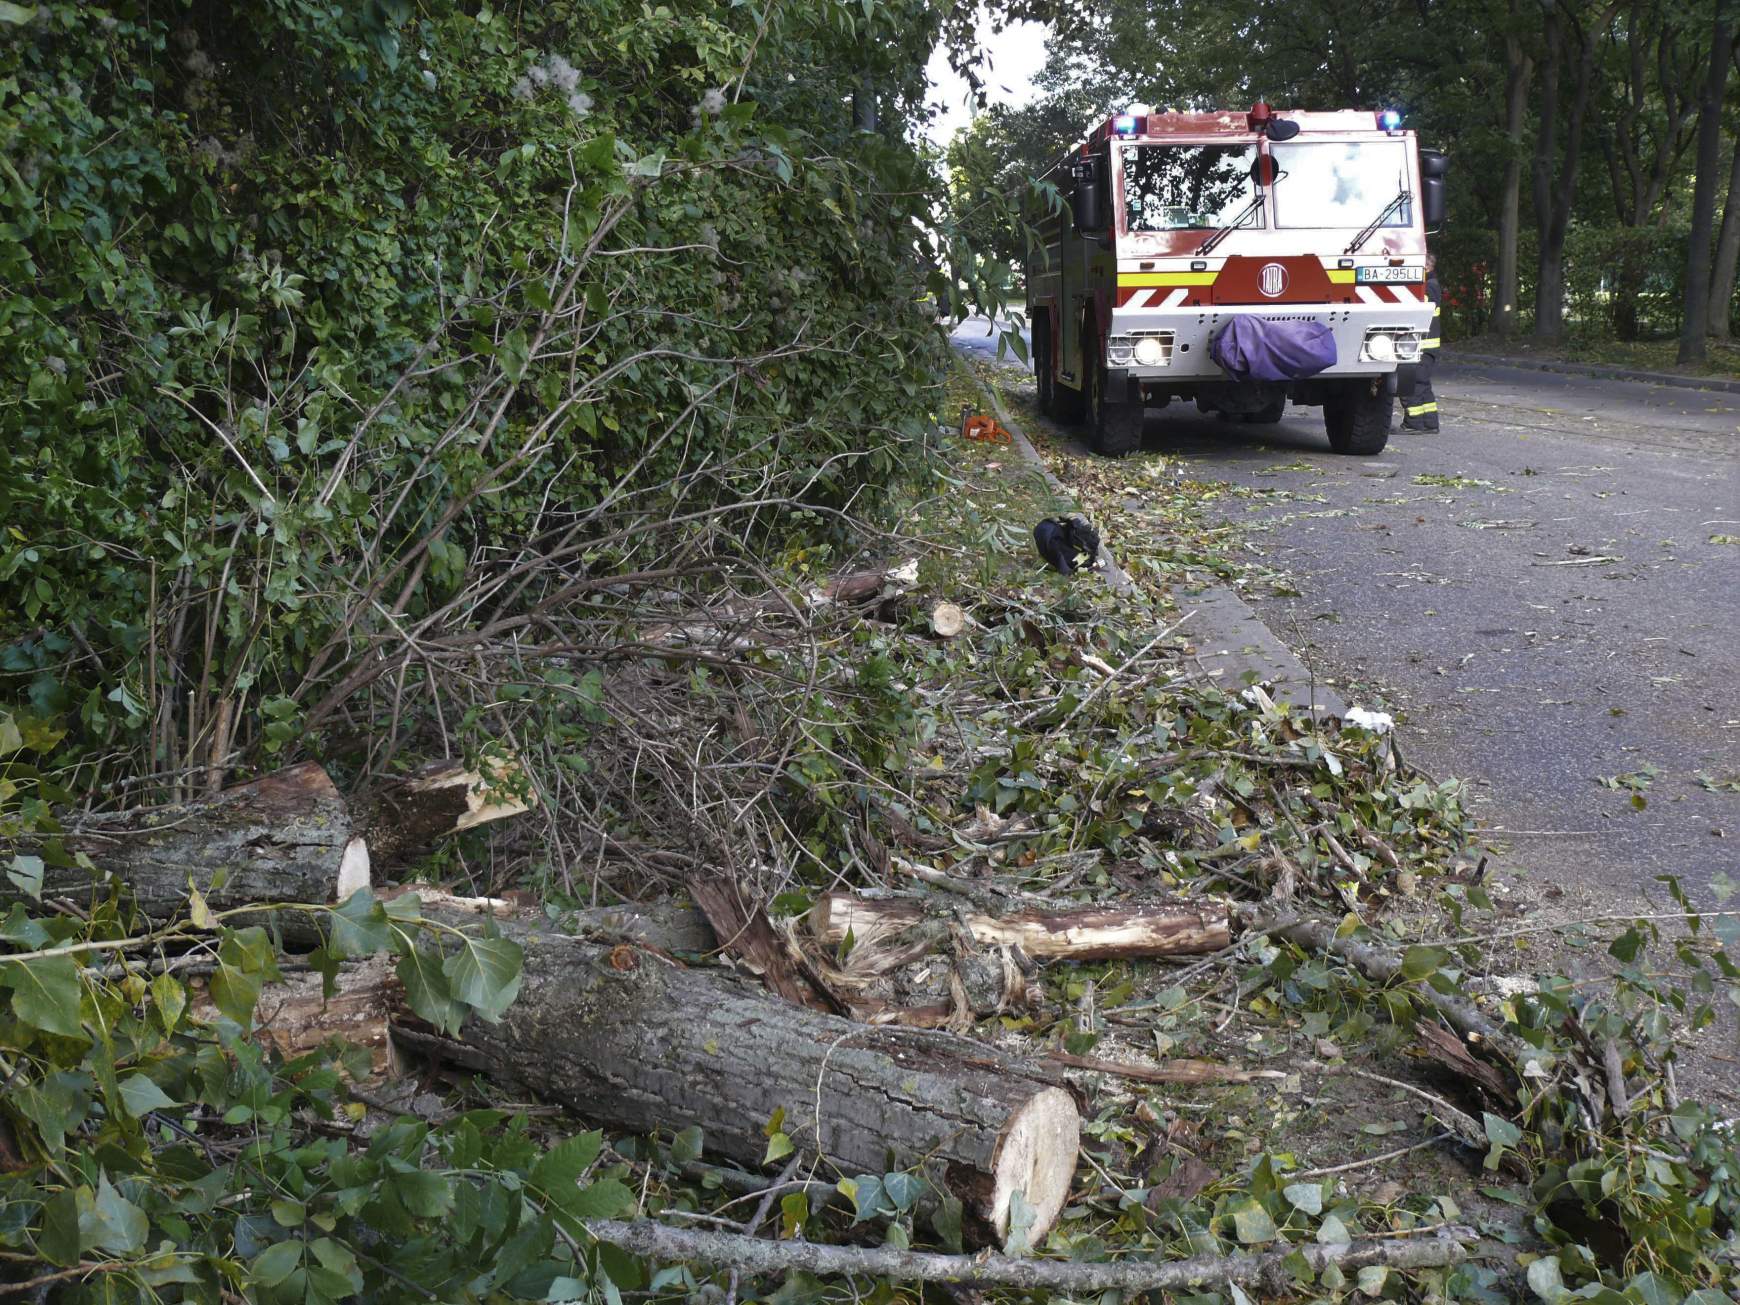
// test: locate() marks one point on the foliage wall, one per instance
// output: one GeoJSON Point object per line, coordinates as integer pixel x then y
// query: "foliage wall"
{"type": "Point", "coordinates": [336, 336]}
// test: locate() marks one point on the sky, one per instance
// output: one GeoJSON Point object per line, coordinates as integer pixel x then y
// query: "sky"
{"type": "Point", "coordinates": [1012, 58]}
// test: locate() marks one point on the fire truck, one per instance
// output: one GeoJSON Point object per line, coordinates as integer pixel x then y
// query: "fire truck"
{"type": "Point", "coordinates": [1185, 233]}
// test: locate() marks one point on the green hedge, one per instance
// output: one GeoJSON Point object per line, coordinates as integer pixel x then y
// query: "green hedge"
{"type": "Point", "coordinates": [270, 276]}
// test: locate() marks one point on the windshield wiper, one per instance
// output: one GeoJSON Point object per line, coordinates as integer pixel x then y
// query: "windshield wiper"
{"type": "Point", "coordinates": [1402, 197]}
{"type": "Point", "coordinates": [1244, 216]}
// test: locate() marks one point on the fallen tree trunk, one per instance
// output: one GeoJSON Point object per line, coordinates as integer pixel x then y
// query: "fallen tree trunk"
{"type": "Point", "coordinates": [285, 837]}
{"type": "Point", "coordinates": [1081, 935]}
{"type": "Point", "coordinates": [654, 1045]}
{"type": "Point", "coordinates": [289, 836]}
{"type": "Point", "coordinates": [1271, 1270]}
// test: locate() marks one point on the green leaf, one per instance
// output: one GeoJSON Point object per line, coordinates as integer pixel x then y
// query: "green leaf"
{"type": "Point", "coordinates": [277, 1262]}
{"type": "Point", "coordinates": [45, 993]}
{"type": "Point", "coordinates": [170, 998]}
{"type": "Point", "coordinates": [1019, 1241]}
{"type": "Point", "coordinates": [903, 1189]}
{"type": "Point", "coordinates": [426, 990]}
{"type": "Point", "coordinates": [26, 875]}
{"type": "Point", "coordinates": [687, 1145]}
{"type": "Point", "coordinates": [1252, 1223]}
{"type": "Point", "coordinates": [424, 1194]}
{"type": "Point", "coordinates": [605, 1199]}
{"type": "Point", "coordinates": [235, 992]}
{"type": "Point", "coordinates": [946, 1220]}
{"type": "Point", "coordinates": [359, 926]}
{"type": "Point", "coordinates": [778, 1147]}
{"type": "Point", "coordinates": [1304, 1197]}
{"type": "Point", "coordinates": [1419, 962]}
{"type": "Point", "coordinates": [141, 1096]}
{"type": "Point", "coordinates": [113, 1223]}
{"type": "Point", "coordinates": [1372, 1279]}
{"type": "Point", "coordinates": [485, 974]}
{"type": "Point", "coordinates": [59, 1242]}
{"type": "Point", "coordinates": [1333, 1232]}
{"type": "Point", "coordinates": [16, 14]}
{"type": "Point", "coordinates": [1544, 1279]}
{"type": "Point", "coordinates": [559, 1170]}
{"type": "Point", "coordinates": [1500, 1132]}
{"type": "Point", "coordinates": [197, 910]}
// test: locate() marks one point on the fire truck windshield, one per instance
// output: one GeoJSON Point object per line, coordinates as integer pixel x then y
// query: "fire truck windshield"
{"type": "Point", "coordinates": [1341, 183]}
{"type": "Point", "coordinates": [1187, 187]}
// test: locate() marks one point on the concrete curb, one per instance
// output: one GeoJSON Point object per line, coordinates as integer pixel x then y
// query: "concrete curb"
{"type": "Point", "coordinates": [1231, 638]}
{"type": "Point", "coordinates": [1449, 358]}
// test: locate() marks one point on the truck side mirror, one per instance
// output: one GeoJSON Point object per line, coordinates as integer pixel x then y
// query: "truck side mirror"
{"type": "Point", "coordinates": [1087, 201]}
{"type": "Point", "coordinates": [1433, 199]}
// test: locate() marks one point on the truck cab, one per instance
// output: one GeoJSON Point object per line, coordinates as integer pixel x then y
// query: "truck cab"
{"type": "Point", "coordinates": [1311, 226]}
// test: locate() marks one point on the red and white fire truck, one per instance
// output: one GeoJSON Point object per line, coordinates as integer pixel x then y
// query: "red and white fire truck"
{"type": "Point", "coordinates": [1179, 223]}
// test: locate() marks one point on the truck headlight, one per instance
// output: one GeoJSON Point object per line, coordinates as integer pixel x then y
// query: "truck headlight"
{"type": "Point", "coordinates": [1151, 351]}
{"type": "Point", "coordinates": [1380, 348]}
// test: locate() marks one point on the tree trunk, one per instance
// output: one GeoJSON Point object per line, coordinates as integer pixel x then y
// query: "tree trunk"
{"type": "Point", "coordinates": [1555, 193]}
{"type": "Point", "coordinates": [283, 838]}
{"type": "Point", "coordinates": [655, 1045]}
{"type": "Point", "coordinates": [1078, 935]}
{"type": "Point", "coordinates": [1519, 68]}
{"type": "Point", "coordinates": [1721, 312]}
{"type": "Point", "coordinates": [1697, 311]}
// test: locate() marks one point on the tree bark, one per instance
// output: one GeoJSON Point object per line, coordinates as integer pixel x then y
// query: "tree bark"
{"type": "Point", "coordinates": [1697, 305]}
{"type": "Point", "coordinates": [1272, 1270]}
{"type": "Point", "coordinates": [1721, 312]}
{"type": "Point", "coordinates": [1519, 69]}
{"type": "Point", "coordinates": [1556, 191]}
{"type": "Point", "coordinates": [281, 838]}
{"type": "Point", "coordinates": [655, 1045]}
{"type": "Point", "coordinates": [285, 837]}
{"type": "Point", "coordinates": [1079, 935]}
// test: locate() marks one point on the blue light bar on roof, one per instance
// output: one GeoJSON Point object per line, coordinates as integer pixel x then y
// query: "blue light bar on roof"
{"type": "Point", "coordinates": [1390, 119]}
{"type": "Point", "coordinates": [1126, 124]}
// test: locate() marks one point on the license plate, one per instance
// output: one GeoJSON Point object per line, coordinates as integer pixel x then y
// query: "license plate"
{"type": "Point", "coordinates": [1367, 275]}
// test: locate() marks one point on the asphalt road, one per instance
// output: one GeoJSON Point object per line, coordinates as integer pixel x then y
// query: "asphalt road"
{"type": "Point", "coordinates": [1538, 592]}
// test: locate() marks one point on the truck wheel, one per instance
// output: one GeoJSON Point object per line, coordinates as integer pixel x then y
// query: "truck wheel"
{"type": "Point", "coordinates": [1357, 420]}
{"type": "Point", "coordinates": [1270, 415]}
{"type": "Point", "coordinates": [1114, 429]}
{"type": "Point", "coordinates": [1044, 370]}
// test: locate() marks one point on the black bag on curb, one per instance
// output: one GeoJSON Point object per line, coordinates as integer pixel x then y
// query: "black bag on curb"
{"type": "Point", "coordinates": [1067, 543]}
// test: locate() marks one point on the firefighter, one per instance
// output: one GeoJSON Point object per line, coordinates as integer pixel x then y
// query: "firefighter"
{"type": "Point", "coordinates": [1419, 403]}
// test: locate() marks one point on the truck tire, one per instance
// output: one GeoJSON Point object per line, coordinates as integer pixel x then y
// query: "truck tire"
{"type": "Point", "coordinates": [1358, 421]}
{"type": "Point", "coordinates": [1044, 367]}
{"type": "Point", "coordinates": [1268, 416]}
{"type": "Point", "coordinates": [1114, 429]}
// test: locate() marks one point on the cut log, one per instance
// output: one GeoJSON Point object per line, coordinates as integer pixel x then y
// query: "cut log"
{"type": "Point", "coordinates": [658, 1046]}
{"type": "Point", "coordinates": [1083, 935]}
{"type": "Point", "coordinates": [283, 838]}
{"type": "Point", "coordinates": [280, 838]}
{"type": "Point", "coordinates": [946, 620]}
{"type": "Point", "coordinates": [295, 1016]}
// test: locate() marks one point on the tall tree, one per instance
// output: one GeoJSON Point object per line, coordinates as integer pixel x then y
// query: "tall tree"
{"type": "Point", "coordinates": [1692, 344]}
{"type": "Point", "coordinates": [1572, 41]}
{"type": "Point", "coordinates": [1653, 107]}
{"type": "Point", "coordinates": [1727, 266]}
{"type": "Point", "coordinates": [1519, 68]}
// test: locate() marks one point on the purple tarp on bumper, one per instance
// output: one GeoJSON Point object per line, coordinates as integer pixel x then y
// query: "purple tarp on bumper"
{"type": "Point", "coordinates": [1255, 349]}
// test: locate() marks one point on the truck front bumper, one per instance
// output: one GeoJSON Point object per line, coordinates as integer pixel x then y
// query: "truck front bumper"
{"type": "Point", "coordinates": [1181, 336]}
